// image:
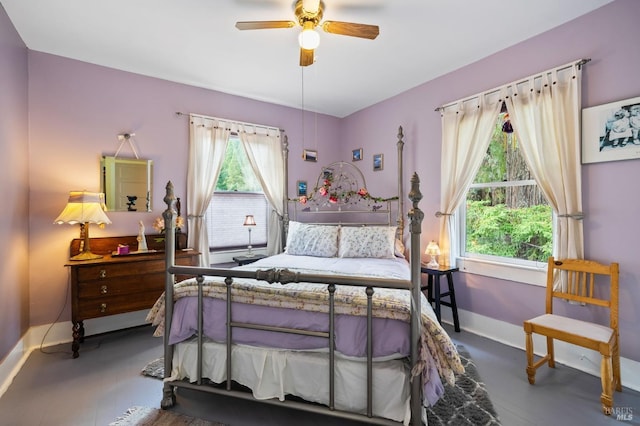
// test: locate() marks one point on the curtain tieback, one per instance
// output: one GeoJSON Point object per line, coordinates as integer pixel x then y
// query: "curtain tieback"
{"type": "Point", "coordinates": [193, 216]}
{"type": "Point", "coordinates": [576, 216]}
{"type": "Point", "coordinates": [440, 214]}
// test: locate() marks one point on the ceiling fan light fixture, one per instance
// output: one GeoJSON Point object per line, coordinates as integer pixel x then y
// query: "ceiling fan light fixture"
{"type": "Point", "coordinates": [309, 38]}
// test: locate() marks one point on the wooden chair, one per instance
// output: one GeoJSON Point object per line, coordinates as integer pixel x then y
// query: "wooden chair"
{"type": "Point", "coordinates": [581, 288]}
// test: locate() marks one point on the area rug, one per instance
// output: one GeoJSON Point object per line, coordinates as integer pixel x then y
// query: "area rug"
{"type": "Point", "coordinates": [467, 403]}
{"type": "Point", "coordinates": [145, 416]}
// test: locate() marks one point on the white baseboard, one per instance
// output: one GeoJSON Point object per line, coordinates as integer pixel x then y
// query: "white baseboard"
{"type": "Point", "coordinates": [570, 355]}
{"type": "Point", "coordinates": [58, 333]}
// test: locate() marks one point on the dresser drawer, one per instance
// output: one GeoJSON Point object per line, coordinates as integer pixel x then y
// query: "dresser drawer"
{"type": "Point", "coordinates": [115, 270]}
{"type": "Point", "coordinates": [104, 306]}
{"type": "Point", "coordinates": [129, 284]}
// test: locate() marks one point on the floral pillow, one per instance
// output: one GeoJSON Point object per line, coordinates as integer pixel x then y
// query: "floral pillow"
{"type": "Point", "coordinates": [312, 240]}
{"type": "Point", "coordinates": [367, 241]}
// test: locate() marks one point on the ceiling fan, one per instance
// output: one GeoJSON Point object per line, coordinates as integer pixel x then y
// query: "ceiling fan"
{"type": "Point", "coordinates": [309, 14]}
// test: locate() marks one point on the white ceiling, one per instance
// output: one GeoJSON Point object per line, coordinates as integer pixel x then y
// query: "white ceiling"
{"type": "Point", "coordinates": [195, 42]}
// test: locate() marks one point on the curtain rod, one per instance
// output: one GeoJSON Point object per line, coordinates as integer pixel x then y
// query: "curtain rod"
{"type": "Point", "coordinates": [260, 126]}
{"type": "Point", "coordinates": [579, 63]}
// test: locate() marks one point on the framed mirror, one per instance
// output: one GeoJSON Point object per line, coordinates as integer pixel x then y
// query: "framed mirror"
{"type": "Point", "coordinates": [127, 183]}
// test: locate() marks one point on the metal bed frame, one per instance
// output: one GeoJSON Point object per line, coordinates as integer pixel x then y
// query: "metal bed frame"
{"type": "Point", "coordinates": [283, 277]}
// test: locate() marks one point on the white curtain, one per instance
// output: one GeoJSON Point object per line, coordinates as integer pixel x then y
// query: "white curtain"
{"type": "Point", "coordinates": [466, 132]}
{"type": "Point", "coordinates": [264, 152]}
{"type": "Point", "coordinates": [208, 141]}
{"type": "Point", "coordinates": [545, 112]}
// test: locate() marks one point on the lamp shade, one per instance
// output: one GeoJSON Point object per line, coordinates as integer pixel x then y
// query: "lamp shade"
{"type": "Point", "coordinates": [84, 207]}
{"type": "Point", "coordinates": [432, 249]}
{"type": "Point", "coordinates": [249, 220]}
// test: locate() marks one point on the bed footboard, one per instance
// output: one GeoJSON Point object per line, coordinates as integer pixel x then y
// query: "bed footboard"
{"type": "Point", "coordinates": [283, 277]}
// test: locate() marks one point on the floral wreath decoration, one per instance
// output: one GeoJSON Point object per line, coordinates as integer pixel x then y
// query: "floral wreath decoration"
{"type": "Point", "coordinates": [340, 191]}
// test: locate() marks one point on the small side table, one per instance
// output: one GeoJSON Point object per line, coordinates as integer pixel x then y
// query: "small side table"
{"type": "Point", "coordinates": [434, 294]}
{"type": "Point", "coordinates": [245, 260]}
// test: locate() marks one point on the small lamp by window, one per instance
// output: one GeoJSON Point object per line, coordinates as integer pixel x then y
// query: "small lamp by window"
{"type": "Point", "coordinates": [84, 208]}
{"type": "Point", "coordinates": [249, 221]}
{"type": "Point", "coordinates": [434, 251]}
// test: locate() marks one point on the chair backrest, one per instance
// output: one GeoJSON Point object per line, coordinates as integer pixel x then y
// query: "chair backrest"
{"type": "Point", "coordinates": [580, 281]}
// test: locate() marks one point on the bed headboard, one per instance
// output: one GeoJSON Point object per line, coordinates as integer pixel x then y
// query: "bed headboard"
{"type": "Point", "coordinates": [341, 190]}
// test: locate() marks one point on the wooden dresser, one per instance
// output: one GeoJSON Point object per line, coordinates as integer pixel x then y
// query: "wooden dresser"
{"type": "Point", "coordinates": [117, 284]}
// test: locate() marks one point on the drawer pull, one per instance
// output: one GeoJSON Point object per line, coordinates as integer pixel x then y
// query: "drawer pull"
{"type": "Point", "coordinates": [103, 307]}
{"type": "Point", "coordinates": [103, 289]}
{"type": "Point", "coordinates": [102, 273]}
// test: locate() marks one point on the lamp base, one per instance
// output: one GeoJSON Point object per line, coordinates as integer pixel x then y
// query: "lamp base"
{"type": "Point", "coordinates": [433, 264]}
{"type": "Point", "coordinates": [86, 255]}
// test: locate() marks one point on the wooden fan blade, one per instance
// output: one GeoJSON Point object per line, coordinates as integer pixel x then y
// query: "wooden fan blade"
{"type": "Point", "coordinates": [351, 29]}
{"type": "Point", "coordinates": [263, 25]}
{"type": "Point", "coordinates": [306, 57]}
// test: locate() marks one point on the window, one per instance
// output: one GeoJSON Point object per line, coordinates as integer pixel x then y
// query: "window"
{"type": "Point", "coordinates": [238, 193]}
{"type": "Point", "coordinates": [506, 218]}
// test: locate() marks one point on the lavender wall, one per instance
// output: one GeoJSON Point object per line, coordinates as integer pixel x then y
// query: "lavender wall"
{"type": "Point", "coordinates": [14, 187]}
{"type": "Point", "coordinates": [611, 201]}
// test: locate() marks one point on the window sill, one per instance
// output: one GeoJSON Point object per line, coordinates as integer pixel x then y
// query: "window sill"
{"type": "Point", "coordinates": [518, 273]}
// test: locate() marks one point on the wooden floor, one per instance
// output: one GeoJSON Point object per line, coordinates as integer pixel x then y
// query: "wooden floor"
{"type": "Point", "coordinates": [54, 389]}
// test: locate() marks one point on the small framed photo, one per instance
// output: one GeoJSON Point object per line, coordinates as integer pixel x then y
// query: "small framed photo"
{"type": "Point", "coordinates": [611, 132]}
{"type": "Point", "coordinates": [327, 173]}
{"type": "Point", "coordinates": [302, 188]}
{"type": "Point", "coordinates": [356, 154]}
{"type": "Point", "coordinates": [310, 155]}
{"type": "Point", "coordinates": [378, 162]}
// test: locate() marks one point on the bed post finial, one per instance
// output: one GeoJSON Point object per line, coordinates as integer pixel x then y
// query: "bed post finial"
{"type": "Point", "coordinates": [415, 214]}
{"type": "Point", "coordinates": [169, 200]}
{"type": "Point", "coordinates": [400, 145]}
{"type": "Point", "coordinates": [168, 215]}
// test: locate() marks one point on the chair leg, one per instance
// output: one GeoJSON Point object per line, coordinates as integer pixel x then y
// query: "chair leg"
{"type": "Point", "coordinates": [531, 370]}
{"type": "Point", "coordinates": [552, 359]}
{"type": "Point", "coordinates": [606, 398]}
{"type": "Point", "coordinates": [616, 367]}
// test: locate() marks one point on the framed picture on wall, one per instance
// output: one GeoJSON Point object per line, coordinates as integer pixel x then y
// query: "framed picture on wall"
{"type": "Point", "coordinates": [356, 154]}
{"type": "Point", "coordinates": [310, 155]}
{"type": "Point", "coordinates": [611, 131]}
{"type": "Point", "coordinates": [302, 188]}
{"type": "Point", "coordinates": [378, 162]}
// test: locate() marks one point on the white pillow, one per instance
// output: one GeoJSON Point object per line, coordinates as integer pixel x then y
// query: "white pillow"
{"type": "Point", "coordinates": [367, 241]}
{"type": "Point", "coordinates": [312, 240]}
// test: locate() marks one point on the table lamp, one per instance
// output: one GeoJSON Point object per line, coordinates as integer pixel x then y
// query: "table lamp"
{"type": "Point", "coordinates": [84, 208]}
{"type": "Point", "coordinates": [249, 221]}
{"type": "Point", "coordinates": [434, 251]}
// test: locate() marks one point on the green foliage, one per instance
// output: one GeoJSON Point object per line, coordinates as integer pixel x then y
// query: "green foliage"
{"type": "Point", "coordinates": [236, 173]}
{"type": "Point", "coordinates": [522, 233]}
{"type": "Point", "coordinates": [507, 221]}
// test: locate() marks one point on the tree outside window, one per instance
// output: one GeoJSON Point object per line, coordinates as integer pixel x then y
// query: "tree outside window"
{"type": "Point", "coordinates": [505, 214]}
